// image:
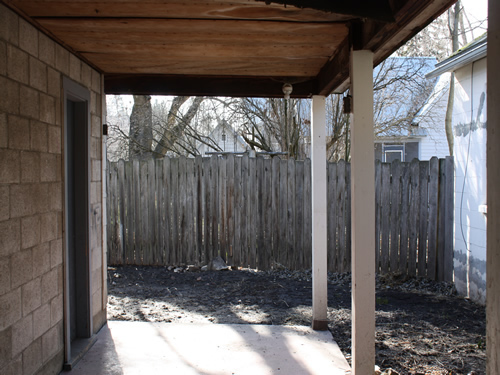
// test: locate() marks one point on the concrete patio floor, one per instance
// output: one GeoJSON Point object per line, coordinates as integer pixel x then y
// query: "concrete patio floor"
{"type": "Point", "coordinates": [237, 349]}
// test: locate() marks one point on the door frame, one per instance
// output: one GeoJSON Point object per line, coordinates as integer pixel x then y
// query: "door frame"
{"type": "Point", "coordinates": [80, 96]}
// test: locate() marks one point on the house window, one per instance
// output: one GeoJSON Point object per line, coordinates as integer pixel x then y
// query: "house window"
{"type": "Point", "coordinates": [388, 152]}
{"type": "Point", "coordinates": [393, 152]}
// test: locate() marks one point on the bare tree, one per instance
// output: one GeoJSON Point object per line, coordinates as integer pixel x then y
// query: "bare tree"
{"type": "Point", "coordinates": [274, 125]}
{"type": "Point", "coordinates": [400, 92]}
{"type": "Point", "coordinates": [175, 130]}
{"type": "Point", "coordinates": [154, 130]}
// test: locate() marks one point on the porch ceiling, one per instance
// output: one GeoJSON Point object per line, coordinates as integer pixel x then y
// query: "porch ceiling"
{"type": "Point", "coordinates": [228, 47]}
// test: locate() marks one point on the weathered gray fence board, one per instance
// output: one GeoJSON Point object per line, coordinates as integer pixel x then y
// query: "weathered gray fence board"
{"type": "Point", "coordinates": [283, 212]}
{"type": "Point", "coordinates": [403, 218]}
{"type": "Point", "coordinates": [244, 210]}
{"type": "Point", "coordinates": [433, 217]}
{"type": "Point", "coordinates": [448, 212]}
{"type": "Point", "coordinates": [348, 233]}
{"type": "Point", "coordinates": [307, 215]}
{"type": "Point", "coordinates": [423, 218]}
{"type": "Point", "coordinates": [378, 209]}
{"type": "Point", "coordinates": [331, 220]}
{"type": "Point", "coordinates": [257, 212]}
{"type": "Point", "coordinates": [341, 224]}
{"type": "Point", "coordinates": [299, 214]}
{"type": "Point", "coordinates": [413, 222]}
{"type": "Point", "coordinates": [260, 244]}
{"type": "Point", "coordinates": [395, 206]}
{"type": "Point", "coordinates": [385, 219]}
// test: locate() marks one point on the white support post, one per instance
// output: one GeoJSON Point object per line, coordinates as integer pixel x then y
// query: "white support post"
{"type": "Point", "coordinates": [362, 214]}
{"type": "Point", "coordinates": [319, 233]}
{"type": "Point", "coordinates": [493, 193]}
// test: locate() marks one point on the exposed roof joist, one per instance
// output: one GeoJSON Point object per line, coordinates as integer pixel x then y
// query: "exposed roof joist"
{"type": "Point", "coordinates": [228, 47]}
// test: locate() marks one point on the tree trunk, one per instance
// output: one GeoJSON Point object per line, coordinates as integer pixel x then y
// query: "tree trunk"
{"type": "Point", "coordinates": [456, 14]}
{"type": "Point", "coordinates": [175, 124]}
{"type": "Point", "coordinates": [141, 128]}
{"type": "Point", "coordinates": [449, 112]}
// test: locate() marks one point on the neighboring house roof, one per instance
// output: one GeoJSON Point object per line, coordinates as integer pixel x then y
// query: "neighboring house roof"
{"type": "Point", "coordinates": [399, 66]}
{"type": "Point", "coordinates": [475, 50]}
{"type": "Point", "coordinates": [432, 104]}
{"type": "Point", "coordinates": [231, 135]}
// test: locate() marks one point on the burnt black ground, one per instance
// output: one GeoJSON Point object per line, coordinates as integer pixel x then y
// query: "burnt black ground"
{"type": "Point", "coordinates": [422, 327]}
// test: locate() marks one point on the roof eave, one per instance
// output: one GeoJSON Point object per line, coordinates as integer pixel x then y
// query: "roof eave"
{"type": "Point", "coordinates": [465, 57]}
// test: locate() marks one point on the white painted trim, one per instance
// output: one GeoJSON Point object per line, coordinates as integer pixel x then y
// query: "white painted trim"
{"type": "Point", "coordinates": [319, 230]}
{"type": "Point", "coordinates": [362, 214]}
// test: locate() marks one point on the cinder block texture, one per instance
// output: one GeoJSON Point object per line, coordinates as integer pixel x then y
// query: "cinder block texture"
{"type": "Point", "coordinates": [4, 275]}
{"type": "Point", "coordinates": [10, 237]}
{"type": "Point", "coordinates": [17, 64]}
{"type": "Point", "coordinates": [15, 367]}
{"type": "Point", "coordinates": [56, 309]}
{"type": "Point", "coordinates": [32, 357]}
{"type": "Point", "coordinates": [56, 253]}
{"type": "Point", "coordinates": [30, 102]}
{"type": "Point", "coordinates": [50, 285]}
{"type": "Point", "coordinates": [31, 296]}
{"type": "Point", "coordinates": [39, 138]}
{"type": "Point", "coordinates": [41, 320]}
{"type": "Point", "coordinates": [22, 334]}
{"type": "Point", "coordinates": [19, 133]}
{"type": "Point", "coordinates": [30, 166]}
{"type": "Point", "coordinates": [55, 139]}
{"type": "Point", "coordinates": [28, 38]}
{"type": "Point", "coordinates": [38, 74]}
{"type": "Point", "coordinates": [46, 49]}
{"type": "Point", "coordinates": [4, 203]}
{"type": "Point", "coordinates": [4, 140]}
{"type": "Point", "coordinates": [9, 166]}
{"type": "Point", "coordinates": [3, 58]}
{"type": "Point", "coordinates": [41, 259]}
{"type": "Point", "coordinates": [22, 262]}
{"type": "Point", "coordinates": [52, 341]}
{"type": "Point", "coordinates": [9, 101]}
{"type": "Point", "coordinates": [5, 347]}
{"type": "Point", "coordinates": [9, 26]}
{"type": "Point", "coordinates": [10, 308]}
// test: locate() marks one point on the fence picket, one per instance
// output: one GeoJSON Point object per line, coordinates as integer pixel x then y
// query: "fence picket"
{"type": "Point", "coordinates": [283, 212]}
{"type": "Point", "coordinates": [395, 207]}
{"type": "Point", "coordinates": [413, 222]}
{"type": "Point", "coordinates": [385, 218]}
{"type": "Point", "coordinates": [423, 218]}
{"type": "Point", "coordinates": [433, 217]}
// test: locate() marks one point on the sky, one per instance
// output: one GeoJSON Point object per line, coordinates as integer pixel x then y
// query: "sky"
{"type": "Point", "coordinates": [477, 10]}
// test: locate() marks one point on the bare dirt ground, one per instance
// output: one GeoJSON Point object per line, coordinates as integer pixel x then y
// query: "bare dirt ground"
{"type": "Point", "coordinates": [422, 327]}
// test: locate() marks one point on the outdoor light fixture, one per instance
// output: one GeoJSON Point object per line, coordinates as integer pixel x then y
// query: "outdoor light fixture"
{"type": "Point", "coordinates": [287, 90]}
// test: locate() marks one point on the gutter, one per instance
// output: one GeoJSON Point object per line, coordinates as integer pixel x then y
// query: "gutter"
{"type": "Point", "coordinates": [463, 57]}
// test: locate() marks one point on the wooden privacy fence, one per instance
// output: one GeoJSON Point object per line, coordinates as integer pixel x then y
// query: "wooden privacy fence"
{"type": "Point", "coordinates": [257, 212]}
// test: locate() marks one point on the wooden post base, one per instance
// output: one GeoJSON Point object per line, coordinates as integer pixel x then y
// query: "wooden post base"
{"type": "Point", "coordinates": [320, 325]}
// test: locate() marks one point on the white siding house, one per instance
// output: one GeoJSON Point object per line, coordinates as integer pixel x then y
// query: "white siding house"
{"type": "Point", "coordinates": [226, 138]}
{"type": "Point", "coordinates": [469, 130]}
{"type": "Point", "coordinates": [422, 136]}
{"type": "Point", "coordinates": [430, 120]}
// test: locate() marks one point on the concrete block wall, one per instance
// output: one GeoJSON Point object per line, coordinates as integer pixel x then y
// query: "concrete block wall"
{"type": "Point", "coordinates": [32, 196]}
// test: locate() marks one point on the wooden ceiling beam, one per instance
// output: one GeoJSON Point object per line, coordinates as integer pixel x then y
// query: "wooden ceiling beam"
{"type": "Point", "coordinates": [379, 10]}
{"type": "Point", "coordinates": [173, 9]}
{"type": "Point", "coordinates": [176, 26]}
{"type": "Point", "coordinates": [151, 84]}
